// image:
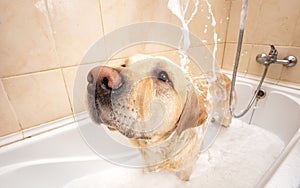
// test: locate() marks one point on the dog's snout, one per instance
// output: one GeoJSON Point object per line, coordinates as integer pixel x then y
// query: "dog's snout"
{"type": "Point", "coordinates": [108, 78]}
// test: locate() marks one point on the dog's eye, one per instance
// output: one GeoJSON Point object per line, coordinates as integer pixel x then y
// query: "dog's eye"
{"type": "Point", "coordinates": [163, 76]}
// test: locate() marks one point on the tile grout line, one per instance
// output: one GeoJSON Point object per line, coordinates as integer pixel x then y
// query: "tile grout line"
{"type": "Point", "coordinates": [101, 17]}
{"type": "Point", "coordinates": [13, 110]}
{"type": "Point", "coordinates": [48, 16]}
{"type": "Point", "coordinates": [295, 29]}
{"type": "Point", "coordinates": [249, 59]}
{"type": "Point", "coordinates": [82, 64]}
{"type": "Point", "coordinates": [42, 129]}
{"type": "Point", "coordinates": [67, 93]}
{"type": "Point", "coordinates": [57, 55]}
{"type": "Point", "coordinates": [51, 69]}
{"type": "Point", "coordinates": [227, 29]}
{"type": "Point", "coordinates": [263, 44]}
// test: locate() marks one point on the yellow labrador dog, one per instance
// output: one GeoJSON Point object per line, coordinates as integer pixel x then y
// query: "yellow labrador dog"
{"type": "Point", "coordinates": [155, 104]}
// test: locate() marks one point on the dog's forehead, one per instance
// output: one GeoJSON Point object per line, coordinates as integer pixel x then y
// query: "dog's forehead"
{"type": "Point", "coordinates": [153, 64]}
{"type": "Point", "coordinates": [147, 65]}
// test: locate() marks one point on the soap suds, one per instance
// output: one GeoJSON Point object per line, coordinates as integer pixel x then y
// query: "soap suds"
{"type": "Point", "coordinates": [239, 157]}
{"type": "Point", "coordinates": [289, 171]}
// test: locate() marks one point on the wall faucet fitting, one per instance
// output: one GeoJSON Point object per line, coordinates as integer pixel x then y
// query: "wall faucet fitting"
{"type": "Point", "coordinates": [265, 59]}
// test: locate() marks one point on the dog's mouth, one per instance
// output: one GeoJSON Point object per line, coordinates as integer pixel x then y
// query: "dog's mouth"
{"type": "Point", "coordinates": [113, 111]}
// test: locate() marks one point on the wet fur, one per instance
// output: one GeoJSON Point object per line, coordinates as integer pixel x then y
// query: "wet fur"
{"type": "Point", "coordinates": [174, 146]}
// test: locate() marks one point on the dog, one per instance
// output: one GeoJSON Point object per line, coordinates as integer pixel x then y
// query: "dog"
{"type": "Point", "coordinates": [156, 105]}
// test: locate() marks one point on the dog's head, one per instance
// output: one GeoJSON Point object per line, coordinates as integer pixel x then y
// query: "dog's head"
{"type": "Point", "coordinates": [145, 97]}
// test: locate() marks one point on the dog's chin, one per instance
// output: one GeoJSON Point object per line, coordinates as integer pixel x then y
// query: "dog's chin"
{"type": "Point", "coordinates": [127, 132]}
{"type": "Point", "coordinates": [131, 134]}
{"type": "Point", "coordinates": [124, 130]}
{"type": "Point", "coordinates": [100, 118]}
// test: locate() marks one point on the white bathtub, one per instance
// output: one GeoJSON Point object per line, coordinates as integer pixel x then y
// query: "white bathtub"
{"type": "Point", "coordinates": [55, 158]}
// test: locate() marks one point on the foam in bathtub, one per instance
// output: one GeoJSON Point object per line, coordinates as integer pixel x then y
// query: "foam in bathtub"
{"type": "Point", "coordinates": [239, 157]}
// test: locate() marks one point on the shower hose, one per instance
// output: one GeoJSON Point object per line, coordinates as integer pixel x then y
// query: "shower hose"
{"type": "Point", "coordinates": [235, 69]}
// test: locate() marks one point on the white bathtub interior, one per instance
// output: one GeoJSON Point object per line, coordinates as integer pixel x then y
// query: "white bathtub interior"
{"type": "Point", "coordinates": [61, 158]}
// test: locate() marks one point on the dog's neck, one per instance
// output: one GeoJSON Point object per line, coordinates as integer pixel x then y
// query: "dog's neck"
{"type": "Point", "coordinates": [155, 154]}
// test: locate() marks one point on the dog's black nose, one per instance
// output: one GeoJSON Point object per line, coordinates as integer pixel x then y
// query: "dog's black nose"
{"type": "Point", "coordinates": [108, 78]}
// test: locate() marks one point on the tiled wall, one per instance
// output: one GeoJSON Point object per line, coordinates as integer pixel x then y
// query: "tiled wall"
{"type": "Point", "coordinates": [43, 41]}
{"type": "Point", "coordinates": [268, 22]}
{"type": "Point", "coordinates": [39, 40]}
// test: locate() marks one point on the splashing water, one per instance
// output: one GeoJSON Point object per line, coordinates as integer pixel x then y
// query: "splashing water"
{"type": "Point", "coordinates": [213, 24]}
{"type": "Point", "coordinates": [179, 9]}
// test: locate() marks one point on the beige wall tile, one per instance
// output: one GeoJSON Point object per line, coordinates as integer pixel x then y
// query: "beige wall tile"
{"type": "Point", "coordinates": [70, 76]}
{"type": "Point", "coordinates": [203, 60]}
{"type": "Point", "coordinates": [76, 25]}
{"type": "Point", "coordinates": [219, 52]}
{"type": "Point", "coordinates": [296, 36]}
{"type": "Point", "coordinates": [149, 48]}
{"type": "Point", "coordinates": [8, 121]}
{"type": "Point", "coordinates": [76, 82]}
{"type": "Point", "coordinates": [277, 24]}
{"type": "Point", "coordinates": [201, 54]}
{"type": "Point", "coordinates": [145, 48]}
{"type": "Point", "coordinates": [268, 21]}
{"type": "Point", "coordinates": [233, 22]}
{"type": "Point", "coordinates": [291, 74]}
{"type": "Point", "coordinates": [251, 21]}
{"type": "Point", "coordinates": [26, 42]}
{"type": "Point", "coordinates": [230, 55]}
{"type": "Point", "coordinates": [222, 11]}
{"type": "Point", "coordinates": [173, 55]}
{"type": "Point", "coordinates": [119, 13]}
{"type": "Point", "coordinates": [201, 25]}
{"type": "Point", "coordinates": [38, 98]}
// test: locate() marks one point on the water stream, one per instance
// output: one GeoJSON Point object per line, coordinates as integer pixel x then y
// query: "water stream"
{"type": "Point", "coordinates": [179, 8]}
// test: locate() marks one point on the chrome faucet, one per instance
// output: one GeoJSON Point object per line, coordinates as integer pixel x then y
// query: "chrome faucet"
{"type": "Point", "coordinates": [265, 59]}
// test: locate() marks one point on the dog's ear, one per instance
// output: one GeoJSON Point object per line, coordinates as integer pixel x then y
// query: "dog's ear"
{"type": "Point", "coordinates": [194, 112]}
